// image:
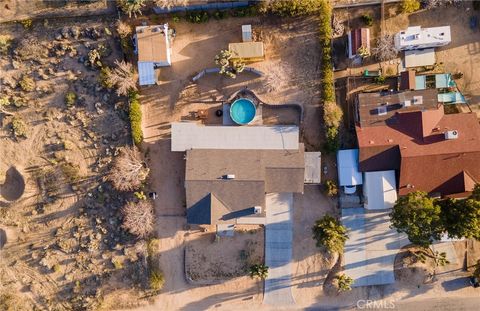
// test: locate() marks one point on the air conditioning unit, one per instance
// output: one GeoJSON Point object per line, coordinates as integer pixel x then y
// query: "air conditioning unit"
{"type": "Point", "coordinates": [257, 210]}
{"type": "Point", "coordinates": [407, 103]}
{"type": "Point", "coordinates": [451, 134]}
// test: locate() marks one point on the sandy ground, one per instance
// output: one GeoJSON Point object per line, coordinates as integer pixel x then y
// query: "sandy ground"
{"type": "Point", "coordinates": [210, 259]}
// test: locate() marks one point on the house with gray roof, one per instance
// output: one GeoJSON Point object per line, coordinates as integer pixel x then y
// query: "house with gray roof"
{"type": "Point", "coordinates": [226, 181]}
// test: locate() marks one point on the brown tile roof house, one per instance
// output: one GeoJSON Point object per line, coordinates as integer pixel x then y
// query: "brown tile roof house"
{"type": "Point", "coordinates": [433, 152]}
{"type": "Point", "coordinates": [212, 198]}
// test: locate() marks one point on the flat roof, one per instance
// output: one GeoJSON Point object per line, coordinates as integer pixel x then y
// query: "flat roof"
{"type": "Point", "coordinates": [380, 190]}
{"type": "Point", "coordinates": [348, 174]}
{"type": "Point", "coordinates": [152, 43]}
{"type": "Point", "coordinates": [419, 58]}
{"type": "Point", "coordinates": [190, 135]}
{"type": "Point", "coordinates": [146, 73]}
{"type": "Point", "coordinates": [418, 36]}
{"type": "Point", "coordinates": [247, 50]}
{"type": "Point", "coordinates": [313, 167]}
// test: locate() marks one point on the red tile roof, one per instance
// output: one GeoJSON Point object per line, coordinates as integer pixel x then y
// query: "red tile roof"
{"type": "Point", "coordinates": [428, 161]}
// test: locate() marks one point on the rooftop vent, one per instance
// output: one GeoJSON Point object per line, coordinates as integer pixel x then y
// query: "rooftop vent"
{"type": "Point", "coordinates": [382, 110]}
{"type": "Point", "coordinates": [230, 176]}
{"type": "Point", "coordinates": [417, 100]}
{"type": "Point", "coordinates": [257, 210]}
{"type": "Point", "coordinates": [451, 135]}
{"type": "Point", "coordinates": [407, 103]}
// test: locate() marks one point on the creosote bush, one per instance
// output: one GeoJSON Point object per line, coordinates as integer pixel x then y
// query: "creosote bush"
{"type": "Point", "coordinates": [131, 7]}
{"type": "Point", "coordinates": [343, 282]}
{"type": "Point", "coordinates": [331, 188]}
{"type": "Point", "coordinates": [27, 84]}
{"type": "Point", "coordinates": [157, 280]}
{"type": "Point", "coordinates": [19, 127]}
{"type": "Point", "coordinates": [70, 98]}
{"type": "Point", "coordinates": [259, 271]}
{"type": "Point", "coordinates": [228, 65]}
{"type": "Point", "coordinates": [5, 43]}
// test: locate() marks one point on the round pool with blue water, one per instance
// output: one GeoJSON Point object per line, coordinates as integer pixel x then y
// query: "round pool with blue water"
{"type": "Point", "coordinates": [242, 111]}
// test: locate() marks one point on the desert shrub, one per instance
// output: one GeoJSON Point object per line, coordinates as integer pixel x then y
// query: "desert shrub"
{"type": "Point", "coordinates": [135, 115]}
{"type": "Point", "coordinates": [291, 7]}
{"type": "Point", "coordinates": [123, 77]}
{"type": "Point", "coordinates": [367, 19]}
{"type": "Point", "coordinates": [128, 171]}
{"type": "Point", "coordinates": [218, 15]}
{"type": "Point", "coordinates": [124, 30]}
{"type": "Point", "coordinates": [4, 101]}
{"type": "Point", "coordinates": [157, 280]}
{"type": "Point", "coordinates": [19, 127]}
{"type": "Point", "coordinates": [331, 188]}
{"type": "Point", "coordinates": [259, 270]}
{"type": "Point", "coordinates": [27, 83]}
{"type": "Point", "coordinates": [26, 23]}
{"type": "Point", "coordinates": [332, 140]}
{"type": "Point", "coordinates": [103, 78]}
{"type": "Point", "coordinates": [410, 6]}
{"type": "Point", "coordinates": [251, 10]}
{"type": "Point", "coordinates": [94, 58]}
{"type": "Point", "coordinates": [11, 302]}
{"type": "Point", "coordinates": [71, 171]}
{"type": "Point", "coordinates": [70, 98]}
{"type": "Point", "coordinates": [380, 79]}
{"type": "Point", "coordinates": [138, 218]}
{"type": "Point", "coordinates": [198, 17]}
{"type": "Point", "coordinates": [30, 49]}
{"type": "Point", "coordinates": [5, 43]}
{"type": "Point", "coordinates": [131, 7]}
{"type": "Point", "coordinates": [117, 263]}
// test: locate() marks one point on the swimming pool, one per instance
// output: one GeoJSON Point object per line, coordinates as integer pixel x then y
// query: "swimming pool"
{"type": "Point", "coordinates": [242, 111]}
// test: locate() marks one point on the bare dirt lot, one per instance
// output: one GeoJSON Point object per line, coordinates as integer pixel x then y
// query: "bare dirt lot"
{"type": "Point", "coordinates": [210, 259]}
{"type": "Point", "coordinates": [65, 247]}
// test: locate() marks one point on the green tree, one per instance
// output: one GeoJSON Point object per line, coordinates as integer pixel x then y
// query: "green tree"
{"type": "Point", "coordinates": [259, 270]}
{"type": "Point", "coordinates": [330, 233]}
{"type": "Point", "coordinates": [343, 282]}
{"type": "Point", "coordinates": [410, 6]}
{"type": "Point", "coordinates": [476, 193]}
{"type": "Point", "coordinates": [461, 218]}
{"type": "Point", "coordinates": [417, 215]}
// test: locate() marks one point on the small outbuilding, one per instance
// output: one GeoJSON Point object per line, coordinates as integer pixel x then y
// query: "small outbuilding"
{"type": "Point", "coordinates": [358, 38]}
{"type": "Point", "coordinates": [348, 174]}
{"type": "Point", "coordinates": [379, 190]}
{"type": "Point", "coordinates": [152, 44]}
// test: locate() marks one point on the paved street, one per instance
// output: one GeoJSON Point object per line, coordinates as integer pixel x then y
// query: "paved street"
{"type": "Point", "coordinates": [371, 247]}
{"type": "Point", "coordinates": [278, 249]}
